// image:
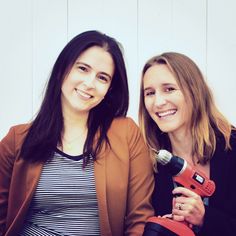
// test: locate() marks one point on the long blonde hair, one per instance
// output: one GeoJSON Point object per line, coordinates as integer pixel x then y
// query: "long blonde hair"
{"type": "Point", "coordinates": [207, 122]}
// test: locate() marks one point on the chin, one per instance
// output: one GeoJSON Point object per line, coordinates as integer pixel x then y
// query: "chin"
{"type": "Point", "coordinates": [166, 129]}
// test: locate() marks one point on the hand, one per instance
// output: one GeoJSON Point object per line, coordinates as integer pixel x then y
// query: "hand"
{"type": "Point", "coordinates": [188, 207]}
{"type": "Point", "coordinates": [169, 216]}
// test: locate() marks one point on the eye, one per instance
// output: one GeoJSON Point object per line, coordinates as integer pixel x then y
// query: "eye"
{"type": "Point", "coordinates": [103, 78]}
{"type": "Point", "coordinates": [82, 68]}
{"type": "Point", "coordinates": [169, 89]}
{"type": "Point", "coordinates": [149, 93]}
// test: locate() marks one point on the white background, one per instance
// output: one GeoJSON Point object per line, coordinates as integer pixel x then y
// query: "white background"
{"type": "Point", "coordinates": [33, 32]}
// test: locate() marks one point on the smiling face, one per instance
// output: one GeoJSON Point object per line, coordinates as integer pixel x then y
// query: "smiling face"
{"type": "Point", "coordinates": [88, 81]}
{"type": "Point", "coordinates": [164, 100]}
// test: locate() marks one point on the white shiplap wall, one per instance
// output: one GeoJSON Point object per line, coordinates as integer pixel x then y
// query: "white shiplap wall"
{"type": "Point", "coordinates": [33, 32]}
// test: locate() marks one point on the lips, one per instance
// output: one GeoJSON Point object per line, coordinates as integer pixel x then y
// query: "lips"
{"type": "Point", "coordinates": [167, 113]}
{"type": "Point", "coordinates": [82, 94]}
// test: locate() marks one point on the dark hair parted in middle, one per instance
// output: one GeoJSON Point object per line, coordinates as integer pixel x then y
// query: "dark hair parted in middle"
{"type": "Point", "coordinates": [45, 131]}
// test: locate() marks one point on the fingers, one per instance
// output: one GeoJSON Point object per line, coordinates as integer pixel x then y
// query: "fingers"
{"type": "Point", "coordinates": [180, 209]}
{"type": "Point", "coordinates": [179, 206]}
{"type": "Point", "coordinates": [169, 216]}
{"type": "Point", "coordinates": [190, 209]}
{"type": "Point", "coordinates": [185, 205]}
{"type": "Point", "coordinates": [184, 191]}
{"type": "Point", "coordinates": [178, 217]}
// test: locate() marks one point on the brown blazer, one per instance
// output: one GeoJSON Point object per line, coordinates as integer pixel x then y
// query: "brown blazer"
{"type": "Point", "coordinates": [123, 177]}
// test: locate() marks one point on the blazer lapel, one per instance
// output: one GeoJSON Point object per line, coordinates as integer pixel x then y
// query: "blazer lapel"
{"type": "Point", "coordinates": [100, 181]}
{"type": "Point", "coordinates": [20, 204]}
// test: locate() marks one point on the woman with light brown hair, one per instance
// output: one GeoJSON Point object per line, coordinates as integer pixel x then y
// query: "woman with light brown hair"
{"type": "Point", "coordinates": [177, 113]}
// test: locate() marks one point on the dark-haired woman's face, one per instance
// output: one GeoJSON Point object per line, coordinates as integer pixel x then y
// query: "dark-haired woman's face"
{"type": "Point", "coordinates": [88, 81]}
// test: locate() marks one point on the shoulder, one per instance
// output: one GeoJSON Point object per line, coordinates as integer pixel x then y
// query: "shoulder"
{"type": "Point", "coordinates": [125, 131]}
{"type": "Point", "coordinates": [233, 138]}
{"type": "Point", "coordinates": [11, 144]}
{"type": "Point", "coordinates": [15, 135]}
{"type": "Point", "coordinates": [18, 130]}
{"type": "Point", "coordinates": [21, 128]}
{"type": "Point", "coordinates": [220, 139]}
{"type": "Point", "coordinates": [124, 123]}
{"type": "Point", "coordinates": [221, 152]}
{"type": "Point", "coordinates": [124, 127]}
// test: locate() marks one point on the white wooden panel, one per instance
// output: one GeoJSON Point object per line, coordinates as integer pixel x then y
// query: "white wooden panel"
{"type": "Point", "coordinates": [154, 29]}
{"type": "Point", "coordinates": [221, 62]}
{"type": "Point", "coordinates": [172, 26]}
{"type": "Point", "coordinates": [49, 38]}
{"type": "Point", "coordinates": [15, 63]}
{"type": "Point", "coordinates": [117, 19]}
{"type": "Point", "coordinates": [189, 30]}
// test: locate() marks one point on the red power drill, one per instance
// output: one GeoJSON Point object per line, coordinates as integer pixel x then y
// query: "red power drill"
{"type": "Point", "coordinates": [184, 175]}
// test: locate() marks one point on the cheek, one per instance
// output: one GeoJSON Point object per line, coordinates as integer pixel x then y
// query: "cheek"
{"type": "Point", "coordinates": [66, 84]}
{"type": "Point", "coordinates": [102, 90]}
{"type": "Point", "coordinates": [64, 87]}
{"type": "Point", "coordinates": [148, 104]}
{"type": "Point", "coordinates": [186, 111]}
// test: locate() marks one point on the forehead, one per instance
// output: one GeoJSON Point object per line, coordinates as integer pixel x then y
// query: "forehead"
{"type": "Point", "coordinates": [159, 74]}
{"type": "Point", "coordinates": [98, 58]}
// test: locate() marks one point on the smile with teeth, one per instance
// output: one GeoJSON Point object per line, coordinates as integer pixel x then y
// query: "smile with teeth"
{"type": "Point", "coordinates": [83, 94]}
{"type": "Point", "coordinates": [166, 113]}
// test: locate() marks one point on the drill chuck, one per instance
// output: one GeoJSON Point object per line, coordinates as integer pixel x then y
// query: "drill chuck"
{"type": "Point", "coordinates": [163, 157]}
{"type": "Point", "coordinates": [174, 164]}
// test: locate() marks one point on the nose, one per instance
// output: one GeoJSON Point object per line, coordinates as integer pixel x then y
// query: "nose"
{"type": "Point", "coordinates": [89, 80]}
{"type": "Point", "coordinates": [160, 100]}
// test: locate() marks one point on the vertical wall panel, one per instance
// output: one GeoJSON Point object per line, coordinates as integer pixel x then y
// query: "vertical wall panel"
{"type": "Point", "coordinates": [172, 26]}
{"type": "Point", "coordinates": [221, 61]}
{"type": "Point", "coordinates": [49, 38]}
{"type": "Point", "coordinates": [154, 28]}
{"type": "Point", "coordinates": [189, 30]}
{"type": "Point", "coordinates": [15, 63]}
{"type": "Point", "coordinates": [117, 19]}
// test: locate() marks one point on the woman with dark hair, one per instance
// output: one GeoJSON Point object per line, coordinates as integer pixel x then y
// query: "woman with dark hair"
{"type": "Point", "coordinates": [80, 167]}
{"type": "Point", "coordinates": [177, 113]}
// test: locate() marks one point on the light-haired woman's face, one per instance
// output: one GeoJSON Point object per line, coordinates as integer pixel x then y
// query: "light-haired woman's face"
{"type": "Point", "coordinates": [164, 100]}
{"type": "Point", "coordinates": [88, 81]}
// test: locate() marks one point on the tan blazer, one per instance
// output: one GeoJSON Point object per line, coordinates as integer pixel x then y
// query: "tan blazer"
{"type": "Point", "coordinates": [123, 177]}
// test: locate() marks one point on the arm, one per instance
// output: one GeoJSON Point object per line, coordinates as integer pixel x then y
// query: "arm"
{"type": "Point", "coordinates": [7, 156]}
{"type": "Point", "coordinates": [220, 215]}
{"type": "Point", "coordinates": [218, 221]}
{"type": "Point", "coordinates": [141, 183]}
{"type": "Point", "coordinates": [219, 218]}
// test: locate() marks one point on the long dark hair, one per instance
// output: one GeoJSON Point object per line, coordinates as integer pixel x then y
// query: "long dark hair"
{"type": "Point", "coordinates": [45, 131]}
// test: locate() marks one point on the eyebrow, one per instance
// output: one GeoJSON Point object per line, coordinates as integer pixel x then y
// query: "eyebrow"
{"type": "Point", "coordinates": [147, 88]}
{"type": "Point", "coordinates": [169, 84]}
{"type": "Point", "coordinates": [87, 65]}
{"type": "Point", "coordinates": [164, 84]}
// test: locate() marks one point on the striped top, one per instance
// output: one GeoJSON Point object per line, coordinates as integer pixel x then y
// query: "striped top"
{"type": "Point", "coordinates": [65, 201]}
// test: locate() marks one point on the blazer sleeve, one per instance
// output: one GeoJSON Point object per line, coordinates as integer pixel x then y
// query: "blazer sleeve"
{"type": "Point", "coordinates": [7, 157]}
{"type": "Point", "coordinates": [141, 182]}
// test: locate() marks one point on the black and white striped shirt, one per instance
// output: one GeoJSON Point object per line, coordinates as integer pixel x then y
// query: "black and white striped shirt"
{"type": "Point", "coordinates": [65, 200]}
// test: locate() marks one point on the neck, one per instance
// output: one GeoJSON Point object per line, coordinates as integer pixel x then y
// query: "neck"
{"type": "Point", "coordinates": [74, 124]}
{"type": "Point", "coordinates": [181, 144]}
{"type": "Point", "coordinates": [74, 134]}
